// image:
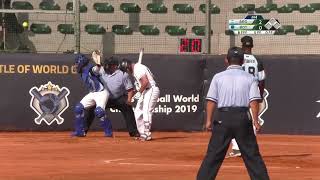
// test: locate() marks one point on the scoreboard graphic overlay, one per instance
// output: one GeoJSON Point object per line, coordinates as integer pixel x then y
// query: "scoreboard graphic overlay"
{"type": "Point", "coordinates": [254, 24]}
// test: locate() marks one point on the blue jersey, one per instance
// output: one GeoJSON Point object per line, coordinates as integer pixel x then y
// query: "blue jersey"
{"type": "Point", "coordinates": [90, 79]}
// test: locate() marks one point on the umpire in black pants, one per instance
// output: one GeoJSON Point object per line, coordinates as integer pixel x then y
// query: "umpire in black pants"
{"type": "Point", "coordinates": [121, 89]}
{"type": "Point", "coordinates": [233, 91]}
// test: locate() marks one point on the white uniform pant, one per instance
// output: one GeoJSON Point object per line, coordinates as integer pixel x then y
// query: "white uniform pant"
{"type": "Point", "coordinates": [144, 110]}
{"type": "Point", "coordinates": [234, 144]}
{"type": "Point", "coordinates": [98, 99]}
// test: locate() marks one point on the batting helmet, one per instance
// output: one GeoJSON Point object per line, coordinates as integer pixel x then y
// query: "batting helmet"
{"type": "Point", "coordinates": [81, 60]}
{"type": "Point", "coordinates": [125, 65]}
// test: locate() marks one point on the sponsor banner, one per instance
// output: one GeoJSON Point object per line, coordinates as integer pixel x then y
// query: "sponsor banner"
{"type": "Point", "coordinates": [291, 102]}
{"type": "Point", "coordinates": [39, 92]}
{"type": "Point", "coordinates": [49, 101]}
{"type": "Point", "coordinates": [180, 79]}
{"type": "Point", "coordinates": [292, 82]}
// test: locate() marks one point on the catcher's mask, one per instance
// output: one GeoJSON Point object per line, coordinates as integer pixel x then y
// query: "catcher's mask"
{"type": "Point", "coordinates": [81, 61]}
{"type": "Point", "coordinates": [125, 65]}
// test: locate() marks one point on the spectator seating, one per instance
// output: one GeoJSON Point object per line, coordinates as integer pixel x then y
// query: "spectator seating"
{"type": "Point", "coordinates": [22, 5]}
{"type": "Point", "coordinates": [214, 8]}
{"type": "Point", "coordinates": [157, 8]}
{"type": "Point", "coordinates": [103, 7]}
{"type": "Point", "coordinates": [149, 30]}
{"type": "Point", "coordinates": [176, 30]}
{"type": "Point", "coordinates": [45, 5]}
{"type": "Point", "coordinates": [83, 7]}
{"type": "Point", "coordinates": [122, 29]}
{"type": "Point", "coordinates": [94, 29]}
{"type": "Point", "coordinates": [244, 8]}
{"type": "Point", "coordinates": [66, 28]}
{"type": "Point", "coordinates": [130, 8]}
{"type": "Point", "coordinates": [183, 8]}
{"type": "Point", "coordinates": [40, 28]}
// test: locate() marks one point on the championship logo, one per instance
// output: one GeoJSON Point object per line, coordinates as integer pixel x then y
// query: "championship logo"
{"type": "Point", "coordinates": [263, 106]}
{"type": "Point", "coordinates": [49, 101]}
{"type": "Point", "coordinates": [318, 115]}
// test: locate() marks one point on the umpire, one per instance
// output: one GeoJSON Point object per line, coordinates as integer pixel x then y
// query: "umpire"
{"type": "Point", "coordinates": [233, 91]}
{"type": "Point", "coordinates": [121, 89]}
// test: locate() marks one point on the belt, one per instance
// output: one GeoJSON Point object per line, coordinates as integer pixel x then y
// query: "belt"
{"type": "Point", "coordinates": [237, 109]}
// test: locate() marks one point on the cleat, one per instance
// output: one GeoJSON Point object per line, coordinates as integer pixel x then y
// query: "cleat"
{"type": "Point", "coordinates": [234, 153]}
{"type": "Point", "coordinates": [134, 135]}
{"type": "Point", "coordinates": [107, 127]}
{"type": "Point", "coordinates": [78, 134]}
{"type": "Point", "coordinates": [144, 138]}
{"type": "Point", "coordinates": [108, 134]}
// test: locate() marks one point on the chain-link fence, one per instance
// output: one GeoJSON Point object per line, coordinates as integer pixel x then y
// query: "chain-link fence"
{"type": "Point", "coordinates": [36, 26]}
{"type": "Point", "coordinates": [158, 26]}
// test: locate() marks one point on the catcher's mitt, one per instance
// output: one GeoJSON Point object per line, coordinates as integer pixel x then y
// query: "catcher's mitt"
{"type": "Point", "coordinates": [97, 56]}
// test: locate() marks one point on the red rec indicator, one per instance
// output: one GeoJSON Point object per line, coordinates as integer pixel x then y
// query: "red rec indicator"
{"type": "Point", "coordinates": [190, 45]}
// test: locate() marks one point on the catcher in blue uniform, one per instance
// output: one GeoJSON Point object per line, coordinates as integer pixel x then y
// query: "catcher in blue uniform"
{"type": "Point", "coordinates": [97, 96]}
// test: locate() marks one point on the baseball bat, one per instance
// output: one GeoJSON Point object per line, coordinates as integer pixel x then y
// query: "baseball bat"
{"type": "Point", "coordinates": [36, 94]}
{"type": "Point", "coordinates": [140, 56]}
{"type": "Point", "coordinates": [62, 94]}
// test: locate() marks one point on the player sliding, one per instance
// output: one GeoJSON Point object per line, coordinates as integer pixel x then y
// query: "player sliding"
{"type": "Point", "coordinates": [147, 95]}
{"type": "Point", "coordinates": [97, 96]}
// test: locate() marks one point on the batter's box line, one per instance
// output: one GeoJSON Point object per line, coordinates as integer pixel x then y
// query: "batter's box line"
{"type": "Point", "coordinates": [151, 164]}
{"type": "Point", "coordinates": [115, 161]}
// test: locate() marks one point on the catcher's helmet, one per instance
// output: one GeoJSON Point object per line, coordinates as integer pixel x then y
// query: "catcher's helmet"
{"type": "Point", "coordinates": [81, 60]}
{"type": "Point", "coordinates": [125, 65]}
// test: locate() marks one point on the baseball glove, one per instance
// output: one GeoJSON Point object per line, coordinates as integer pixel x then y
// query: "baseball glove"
{"type": "Point", "coordinates": [97, 56]}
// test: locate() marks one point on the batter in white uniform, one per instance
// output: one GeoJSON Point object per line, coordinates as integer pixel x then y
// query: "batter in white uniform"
{"type": "Point", "coordinates": [147, 95]}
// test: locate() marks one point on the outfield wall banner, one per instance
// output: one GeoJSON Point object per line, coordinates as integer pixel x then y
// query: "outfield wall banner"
{"type": "Point", "coordinates": [39, 92]}
{"type": "Point", "coordinates": [293, 99]}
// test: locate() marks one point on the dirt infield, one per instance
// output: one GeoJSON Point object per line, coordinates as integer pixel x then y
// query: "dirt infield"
{"type": "Point", "coordinates": [170, 156]}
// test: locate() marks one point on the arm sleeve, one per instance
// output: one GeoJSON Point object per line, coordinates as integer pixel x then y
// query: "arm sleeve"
{"type": "Point", "coordinates": [261, 72]}
{"type": "Point", "coordinates": [139, 72]}
{"type": "Point", "coordinates": [254, 93]}
{"type": "Point", "coordinates": [97, 70]}
{"type": "Point", "coordinates": [213, 91]}
{"type": "Point", "coordinates": [260, 65]}
{"type": "Point", "coordinates": [127, 81]}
